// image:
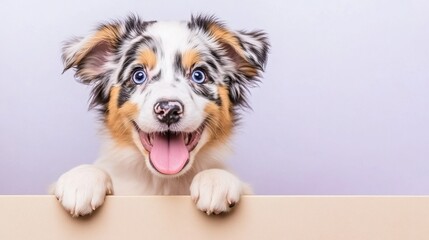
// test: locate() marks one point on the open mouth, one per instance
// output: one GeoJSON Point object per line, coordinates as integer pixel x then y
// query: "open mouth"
{"type": "Point", "coordinates": [169, 151]}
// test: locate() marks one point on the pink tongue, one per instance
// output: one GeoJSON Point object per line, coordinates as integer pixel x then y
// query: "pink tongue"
{"type": "Point", "coordinates": [169, 153]}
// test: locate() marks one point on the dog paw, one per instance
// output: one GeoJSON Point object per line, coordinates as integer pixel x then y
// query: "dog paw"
{"type": "Point", "coordinates": [83, 189]}
{"type": "Point", "coordinates": [216, 191]}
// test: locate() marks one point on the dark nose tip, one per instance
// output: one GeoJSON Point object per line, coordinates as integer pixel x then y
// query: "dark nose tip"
{"type": "Point", "coordinates": [168, 111]}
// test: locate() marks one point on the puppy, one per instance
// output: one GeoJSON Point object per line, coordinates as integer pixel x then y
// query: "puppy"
{"type": "Point", "coordinates": [168, 94]}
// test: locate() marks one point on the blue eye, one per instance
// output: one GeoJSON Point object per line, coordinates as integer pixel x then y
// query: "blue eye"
{"type": "Point", "coordinates": [198, 76]}
{"type": "Point", "coordinates": [139, 76]}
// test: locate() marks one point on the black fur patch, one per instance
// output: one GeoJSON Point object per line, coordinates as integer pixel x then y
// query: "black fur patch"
{"type": "Point", "coordinates": [203, 22]}
{"type": "Point", "coordinates": [125, 94]}
{"type": "Point", "coordinates": [98, 97]}
{"type": "Point", "coordinates": [205, 92]}
{"type": "Point", "coordinates": [157, 76]}
{"type": "Point", "coordinates": [178, 67]}
{"type": "Point", "coordinates": [130, 55]}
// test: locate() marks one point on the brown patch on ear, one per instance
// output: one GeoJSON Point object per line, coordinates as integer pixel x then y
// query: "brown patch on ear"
{"type": "Point", "coordinates": [226, 37]}
{"type": "Point", "coordinates": [234, 49]}
{"type": "Point", "coordinates": [108, 35]}
{"type": "Point", "coordinates": [148, 58]}
{"type": "Point", "coordinates": [189, 58]}
{"type": "Point", "coordinates": [118, 120]}
{"type": "Point", "coordinates": [220, 119]}
{"type": "Point", "coordinates": [248, 70]}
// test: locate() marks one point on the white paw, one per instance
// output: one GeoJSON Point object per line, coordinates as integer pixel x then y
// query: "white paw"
{"type": "Point", "coordinates": [83, 189]}
{"type": "Point", "coordinates": [216, 191]}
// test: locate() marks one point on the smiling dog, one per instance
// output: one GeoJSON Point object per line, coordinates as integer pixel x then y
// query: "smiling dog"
{"type": "Point", "coordinates": [168, 94]}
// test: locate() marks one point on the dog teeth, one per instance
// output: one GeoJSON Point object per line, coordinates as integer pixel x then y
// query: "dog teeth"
{"type": "Point", "coordinates": [150, 138]}
{"type": "Point", "coordinates": [186, 138]}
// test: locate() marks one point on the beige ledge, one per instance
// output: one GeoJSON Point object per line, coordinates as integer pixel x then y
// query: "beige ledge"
{"type": "Point", "coordinates": [256, 217]}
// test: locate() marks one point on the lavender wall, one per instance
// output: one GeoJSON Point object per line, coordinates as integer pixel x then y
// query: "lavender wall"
{"type": "Point", "coordinates": [343, 109]}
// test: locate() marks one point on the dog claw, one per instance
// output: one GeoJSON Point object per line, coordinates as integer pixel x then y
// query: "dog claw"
{"type": "Point", "coordinates": [208, 212]}
{"type": "Point", "coordinates": [231, 204]}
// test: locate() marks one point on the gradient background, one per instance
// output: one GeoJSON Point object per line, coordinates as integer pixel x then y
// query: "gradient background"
{"type": "Point", "coordinates": [343, 107]}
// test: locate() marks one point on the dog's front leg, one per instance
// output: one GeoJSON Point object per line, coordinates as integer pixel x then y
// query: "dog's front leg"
{"type": "Point", "coordinates": [216, 190]}
{"type": "Point", "coordinates": [82, 189]}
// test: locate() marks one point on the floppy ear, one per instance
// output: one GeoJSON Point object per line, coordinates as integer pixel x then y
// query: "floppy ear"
{"type": "Point", "coordinates": [249, 53]}
{"type": "Point", "coordinates": [89, 55]}
{"type": "Point", "coordinates": [247, 50]}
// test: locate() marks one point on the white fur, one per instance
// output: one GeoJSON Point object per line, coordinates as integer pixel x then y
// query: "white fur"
{"type": "Point", "coordinates": [82, 189]}
{"type": "Point", "coordinates": [215, 190]}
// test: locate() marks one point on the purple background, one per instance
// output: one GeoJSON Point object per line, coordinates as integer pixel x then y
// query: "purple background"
{"type": "Point", "coordinates": [343, 107]}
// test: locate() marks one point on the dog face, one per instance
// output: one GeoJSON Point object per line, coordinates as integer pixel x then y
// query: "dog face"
{"type": "Point", "coordinates": [171, 89]}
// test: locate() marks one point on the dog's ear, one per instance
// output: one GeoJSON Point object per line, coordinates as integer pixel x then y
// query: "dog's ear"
{"type": "Point", "coordinates": [89, 55]}
{"type": "Point", "coordinates": [248, 51]}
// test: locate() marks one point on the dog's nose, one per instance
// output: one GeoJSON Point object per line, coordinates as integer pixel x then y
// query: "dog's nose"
{"type": "Point", "coordinates": [168, 111]}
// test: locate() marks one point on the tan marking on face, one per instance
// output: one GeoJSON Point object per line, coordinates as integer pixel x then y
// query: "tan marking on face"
{"type": "Point", "coordinates": [220, 119]}
{"type": "Point", "coordinates": [109, 34]}
{"type": "Point", "coordinates": [148, 58]}
{"type": "Point", "coordinates": [189, 58]}
{"type": "Point", "coordinates": [118, 120]}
